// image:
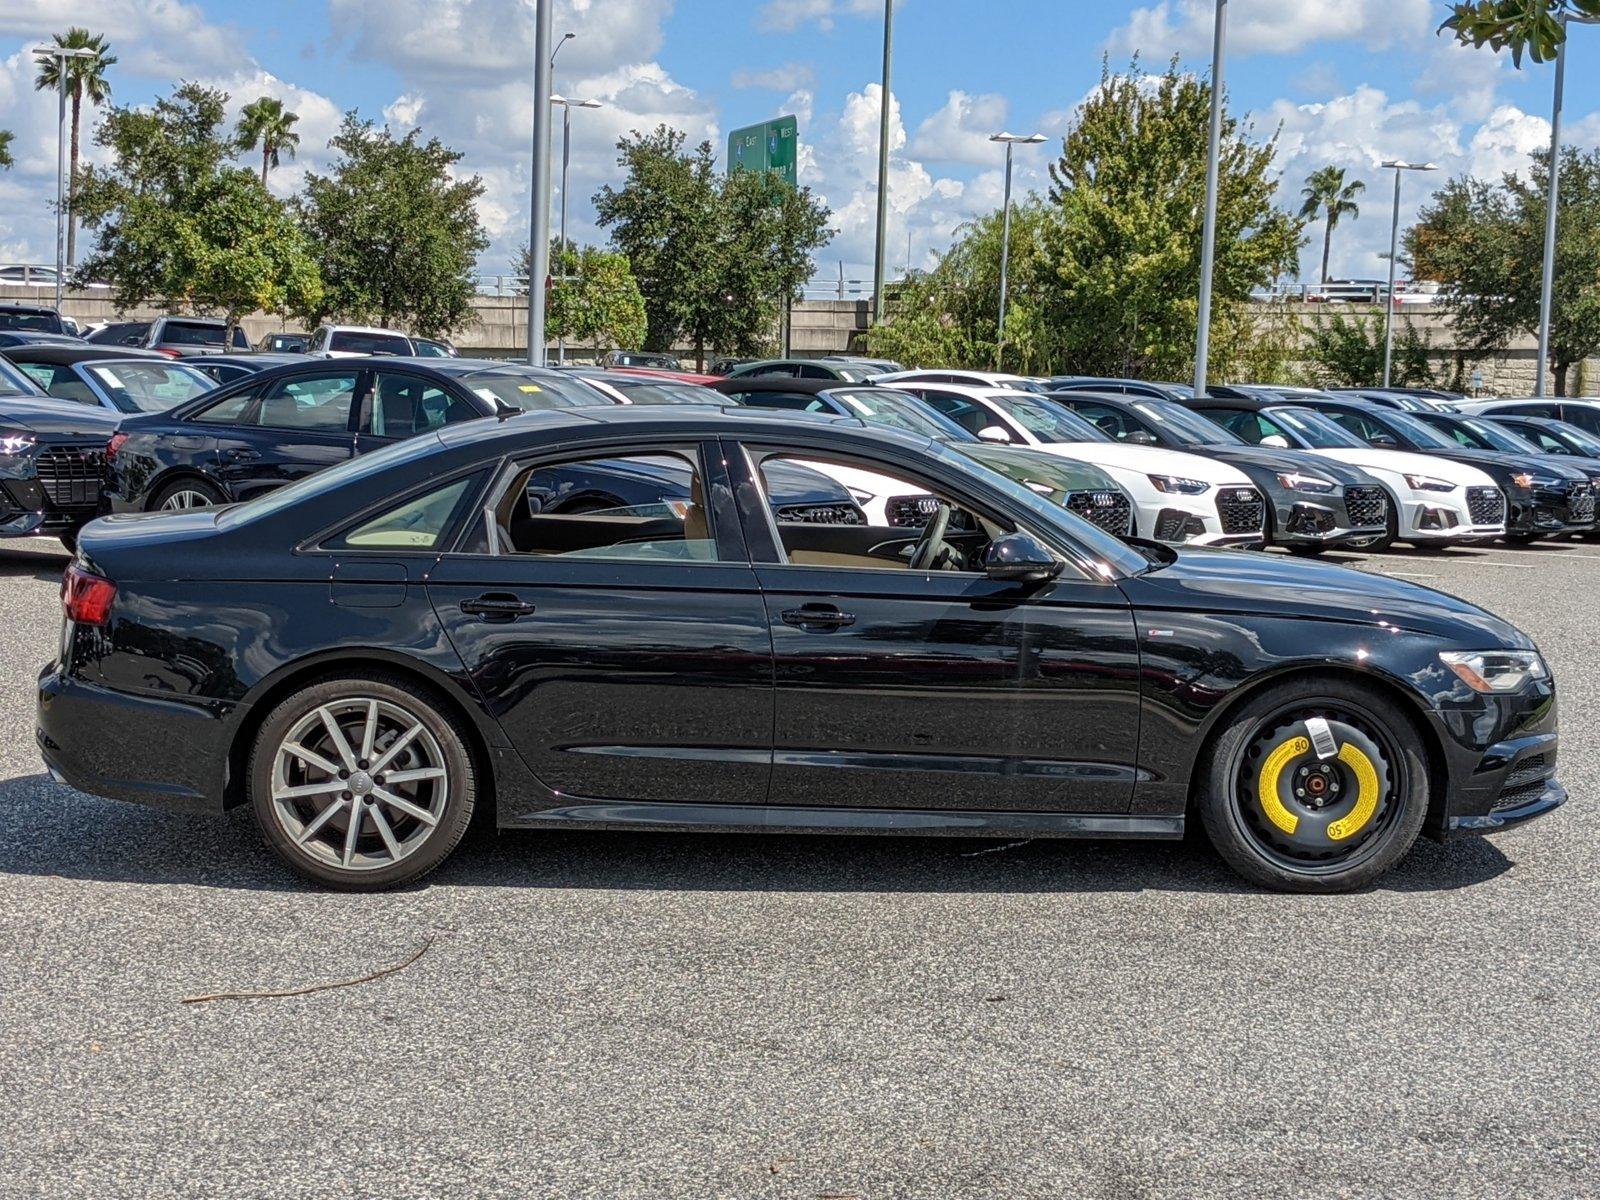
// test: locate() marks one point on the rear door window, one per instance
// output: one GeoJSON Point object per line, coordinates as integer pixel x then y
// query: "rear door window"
{"type": "Point", "coordinates": [403, 405]}
{"type": "Point", "coordinates": [319, 402]}
{"type": "Point", "coordinates": [1583, 416]}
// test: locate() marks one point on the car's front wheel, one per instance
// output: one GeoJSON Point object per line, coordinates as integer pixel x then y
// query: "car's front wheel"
{"type": "Point", "coordinates": [183, 494]}
{"type": "Point", "coordinates": [362, 783]}
{"type": "Point", "coordinates": [1315, 786]}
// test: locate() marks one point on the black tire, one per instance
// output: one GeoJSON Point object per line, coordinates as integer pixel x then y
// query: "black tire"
{"type": "Point", "coordinates": [194, 487]}
{"type": "Point", "coordinates": [450, 801]}
{"type": "Point", "coordinates": [1236, 761]}
{"type": "Point", "coordinates": [1306, 549]}
{"type": "Point", "coordinates": [1523, 539]}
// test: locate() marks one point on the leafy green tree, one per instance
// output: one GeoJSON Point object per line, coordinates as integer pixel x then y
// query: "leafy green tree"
{"type": "Point", "coordinates": [86, 80]}
{"type": "Point", "coordinates": [1348, 352]}
{"type": "Point", "coordinates": [1328, 198]}
{"type": "Point", "coordinates": [397, 235]}
{"type": "Point", "coordinates": [594, 299]}
{"type": "Point", "coordinates": [716, 256]}
{"type": "Point", "coordinates": [1484, 243]}
{"type": "Point", "coordinates": [6, 161]}
{"type": "Point", "coordinates": [1534, 26]}
{"type": "Point", "coordinates": [178, 222]}
{"type": "Point", "coordinates": [266, 123]}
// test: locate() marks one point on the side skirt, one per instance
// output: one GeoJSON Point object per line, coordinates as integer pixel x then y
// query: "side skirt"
{"type": "Point", "coordinates": [750, 818]}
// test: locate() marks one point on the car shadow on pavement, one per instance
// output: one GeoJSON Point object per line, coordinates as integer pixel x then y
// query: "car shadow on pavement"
{"type": "Point", "coordinates": [45, 567]}
{"type": "Point", "coordinates": [56, 831]}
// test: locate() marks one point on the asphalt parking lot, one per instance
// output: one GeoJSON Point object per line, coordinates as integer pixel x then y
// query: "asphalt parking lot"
{"type": "Point", "coordinates": [671, 1016]}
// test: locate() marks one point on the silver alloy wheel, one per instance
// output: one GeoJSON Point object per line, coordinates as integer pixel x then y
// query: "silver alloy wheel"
{"type": "Point", "coordinates": [185, 498]}
{"type": "Point", "coordinates": [359, 783]}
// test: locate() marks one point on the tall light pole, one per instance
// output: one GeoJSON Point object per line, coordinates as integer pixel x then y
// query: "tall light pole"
{"type": "Point", "coordinates": [1394, 253]}
{"type": "Point", "coordinates": [61, 54]}
{"type": "Point", "coordinates": [1548, 278]}
{"type": "Point", "coordinates": [880, 248]}
{"type": "Point", "coordinates": [566, 160]}
{"type": "Point", "coordinates": [1010, 141]}
{"type": "Point", "coordinates": [1208, 237]}
{"type": "Point", "coordinates": [539, 221]}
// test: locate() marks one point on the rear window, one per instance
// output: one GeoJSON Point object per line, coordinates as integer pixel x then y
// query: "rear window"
{"type": "Point", "coordinates": [31, 322]}
{"type": "Point", "coordinates": [349, 342]}
{"type": "Point", "coordinates": [200, 333]}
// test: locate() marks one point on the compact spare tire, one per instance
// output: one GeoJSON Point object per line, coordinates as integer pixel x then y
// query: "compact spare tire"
{"type": "Point", "coordinates": [1314, 786]}
{"type": "Point", "coordinates": [363, 782]}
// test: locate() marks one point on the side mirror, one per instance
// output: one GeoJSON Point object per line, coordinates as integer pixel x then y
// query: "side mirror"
{"type": "Point", "coordinates": [1276, 440]}
{"type": "Point", "coordinates": [1140, 437]}
{"type": "Point", "coordinates": [1020, 558]}
{"type": "Point", "coordinates": [993, 433]}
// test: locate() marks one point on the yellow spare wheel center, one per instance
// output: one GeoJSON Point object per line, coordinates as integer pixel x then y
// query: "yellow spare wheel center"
{"type": "Point", "coordinates": [1320, 784]}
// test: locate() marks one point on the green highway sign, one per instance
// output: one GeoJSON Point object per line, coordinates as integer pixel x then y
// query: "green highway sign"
{"type": "Point", "coordinates": [770, 146]}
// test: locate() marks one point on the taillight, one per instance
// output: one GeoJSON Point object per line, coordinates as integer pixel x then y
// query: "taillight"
{"type": "Point", "coordinates": [114, 445]}
{"type": "Point", "coordinates": [86, 597]}
{"type": "Point", "coordinates": [168, 353]}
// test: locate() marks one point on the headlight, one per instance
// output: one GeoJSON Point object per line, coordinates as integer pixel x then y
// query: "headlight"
{"type": "Point", "coordinates": [1491, 671]}
{"type": "Point", "coordinates": [1177, 483]}
{"type": "Point", "coordinates": [1427, 483]}
{"type": "Point", "coordinates": [1297, 482]}
{"type": "Point", "coordinates": [1527, 479]}
{"type": "Point", "coordinates": [16, 443]}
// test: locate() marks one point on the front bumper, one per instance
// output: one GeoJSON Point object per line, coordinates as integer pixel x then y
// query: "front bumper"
{"type": "Point", "coordinates": [1321, 522]}
{"type": "Point", "coordinates": [147, 749]}
{"type": "Point", "coordinates": [1550, 511]}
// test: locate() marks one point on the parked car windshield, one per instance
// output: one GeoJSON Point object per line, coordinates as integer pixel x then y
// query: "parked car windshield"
{"type": "Point", "coordinates": [14, 383]}
{"type": "Point", "coordinates": [137, 386]}
{"type": "Point", "coordinates": [652, 391]}
{"type": "Point", "coordinates": [1047, 422]}
{"type": "Point", "coordinates": [1585, 442]}
{"type": "Point", "coordinates": [523, 388]}
{"type": "Point", "coordinates": [310, 486]}
{"type": "Point", "coordinates": [896, 410]}
{"type": "Point", "coordinates": [1421, 432]}
{"type": "Point", "coordinates": [1498, 437]}
{"type": "Point", "coordinates": [1184, 427]}
{"type": "Point", "coordinates": [348, 341]}
{"type": "Point", "coordinates": [1316, 430]}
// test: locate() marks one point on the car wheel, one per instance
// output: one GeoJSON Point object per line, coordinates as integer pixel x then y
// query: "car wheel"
{"type": "Point", "coordinates": [362, 783]}
{"type": "Point", "coordinates": [1315, 786]}
{"type": "Point", "coordinates": [183, 494]}
{"type": "Point", "coordinates": [1305, 549]}
{"type": "Point", "coordinates": [1523, 539]}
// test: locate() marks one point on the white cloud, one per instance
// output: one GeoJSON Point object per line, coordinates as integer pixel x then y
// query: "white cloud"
{"type": "Point", "coordinates": [1270, 26]}
{"type": "Point", "coordinates": [404, 112]}
{"type": "Point", "coordinates": [787, 78]}
{"type": "Point", "coordinates": [785, 16]}
{"type": "Point", "coordinates": [959, 131]}
{"type": "Point", "coordinates": [158, 38]}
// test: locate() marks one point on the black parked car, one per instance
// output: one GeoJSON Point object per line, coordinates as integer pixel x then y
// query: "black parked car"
{"type": "Point", "coordinates": [52, 460]}
{"type": "Point", "coordinates": [1316, 503]}
{"type": "Point", "coordinates": [1481, 433]}
{"type": "Point", "coordinates": [371, 653]}
{"type": "Point", "coordinates": [276, 426]}
{"type": "Point", "coordinates": [1552, 436]}
{"type": "Point", "coordinates": [227, 368]}
{"type": "Point", "coordinates": [1543, 496]}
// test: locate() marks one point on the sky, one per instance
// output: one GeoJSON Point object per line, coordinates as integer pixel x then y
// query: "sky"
{"type": "Point", "coordinates": [1346, 82]}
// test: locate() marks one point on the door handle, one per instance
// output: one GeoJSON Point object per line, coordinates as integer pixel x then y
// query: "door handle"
{"type": "Point", "coordinates": [821, 616]}
{"type": "Point", "coordinates": [238, 454]}
{"type": "Point", "coordinates": [497, 606]}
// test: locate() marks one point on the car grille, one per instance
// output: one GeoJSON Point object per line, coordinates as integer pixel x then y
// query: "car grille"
{"type": "Point", "coordinates": [71, 475]}
{"type": "Point", "coordinates": [1486, 505]}
{"type": "Point", "coordinates": [1580, 504]}
{"type": "Point", "coordinates": [1525, 781]}
{"type": "Point", "coordinates": [911, 512]}
{"type": "Point", "coordinates": [1367, 506]}
{"type": "Point", "coordinates": [1111, 511]}
{"type": "Point", "coordinates": [821, 514]}
{"type": "Point", "coordinates": [1242, 510]}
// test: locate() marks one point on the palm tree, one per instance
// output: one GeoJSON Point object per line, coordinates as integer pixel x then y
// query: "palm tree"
{"type": "Point", "coordinates": [1329, 197]}
{"type": "Point", "coordinates": [86, 79]}
{"type": "Point", "coordinates": [6, 161]}
{"type": "Point", "coordinates": [266, 123]}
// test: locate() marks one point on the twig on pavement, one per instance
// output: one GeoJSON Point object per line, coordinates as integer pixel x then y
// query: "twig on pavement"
{"type": "Point", "coordinates": [315, 987]}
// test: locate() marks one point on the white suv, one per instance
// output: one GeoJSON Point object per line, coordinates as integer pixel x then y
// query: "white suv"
{"type": "Point", "coordinates": [354, 341]}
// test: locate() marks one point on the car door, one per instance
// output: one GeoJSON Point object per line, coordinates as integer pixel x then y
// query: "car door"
{"type": "Point", "coordinates": [295, 426]}
{"type": "Point", "coordinates": [400, 404]}
{"type": "Point", "coordinates": [934, 689]}
{"type": "Point", "coordinates": [623, 648]}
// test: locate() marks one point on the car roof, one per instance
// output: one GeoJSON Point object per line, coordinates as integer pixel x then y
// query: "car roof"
{"type": "Point", "coordinates": [22, 306]}
{"type": "Point", "coordinates": [366, 329]}
{"type": "Point", "coordinates": [54, 354]}
{"type": "Point", "coordinates": [780, 383]}
{"type": "Point", "coordinates": [261, 361]}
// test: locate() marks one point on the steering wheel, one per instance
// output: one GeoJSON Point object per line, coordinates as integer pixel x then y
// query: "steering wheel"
{"type": "Point", "coordinates": [931, 542]}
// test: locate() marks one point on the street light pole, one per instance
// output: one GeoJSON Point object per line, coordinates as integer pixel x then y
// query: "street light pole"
{"type": "Point", "coordinates": [1208, 238]}
{"type": "Point", "coordinates": [61, 54]}
{"type": "Point", "coordinates": [880, 249]}
{"type": "Point", "coordinates": [566, 161]}
{"type": "Point", "coordinates": [539, 221]}
{"type": "Point", "coordinates": [1394, 253]}
{"type": "Point", "coordinates": [1010, 141]}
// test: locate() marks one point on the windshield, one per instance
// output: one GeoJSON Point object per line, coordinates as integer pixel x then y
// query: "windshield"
{"type": "Point", "coordinates": [527, 389]}
{"type": "Point", "coordinates": [311, 486]}
{"type": "Point", "coordinates": [1047, 422]}
{"type": "Point", "coordinates": [1316, 430]}
{"type": "Point", "coordinates": [33, 322]}
{"type": "Point", "coordinates": [148, 386]}
{"type": "Point", "coordinates": [1577, 438]}
{"type": "Point", "coordinates": [14, 383]}
{"type": "Point", "coordinates": [1498, 437]}
{"type": "Point", "coordinates": [1097, 542]}
{"type": "Point", "coordinates": [649, 391]}
{"type": "Point", "coordinates": [1421, 432]}
{"type": "Point", "coordinates": [897, 410]}
{"type": "Point", "coordinates": [348, 342]}
{"type": "Point", "coordinates": [1184, 427]}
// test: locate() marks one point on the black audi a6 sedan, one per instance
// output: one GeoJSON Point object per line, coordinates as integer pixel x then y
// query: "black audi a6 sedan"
{"type": "Point", "coordinates": [52, 460]}
{"type": "Point", "coordinates": [367, 655]}
{"type": "Point", "coordinates": [272, 427]}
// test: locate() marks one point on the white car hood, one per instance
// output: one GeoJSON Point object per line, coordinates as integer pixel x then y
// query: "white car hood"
{"type": "Point", "coordinates": [1406, 463]}
{"type": "Point", "coordinates": [1151, 460]}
